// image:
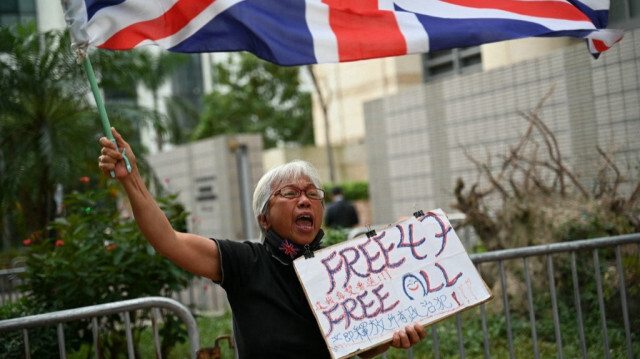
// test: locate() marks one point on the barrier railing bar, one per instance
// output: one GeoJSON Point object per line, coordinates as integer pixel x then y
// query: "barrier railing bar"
{"type": "Point", "coordinates": [192, 296]}
{"type": "Point", "coordinates": [96, 341]}
{"type": "Point", "coordinates": [623, 300]}
{"type": "Point", "coordinates": [127, 325]}
{"type": "Point", "coordinates": [532, 314]}
{"type": "Point", "coordinates": [507, 315]}
{"type": "Point", "coordinates": [8, 291]}
{"type": "Point", "coordinates": [61, 346]}
{"type": "Point", "coordinates": [106, 309]}
{"type": "Point", "coordinates": [554, 306]}
{"type": "Point", "coordinates": [10, 271]}
{"type": "Point", "coordinates": [3, 291]}
{"type": "Point", "coordinates": [156, 337]}
{"type": "Point", "coordinates": [603, 316]}
{"type": "Point", "coordinates": [436, 343]}
{"type": "Point", "coordinates": [496, 256]}
{"type": "Point", "coordinates": [576, 296]}
{"type": "Point", "coordinates": [485, 331]}
{"type": "Point", "coordinates": [552, 248]}
{"type": "Point", "coordinates": [25, 337]}
{"type": "Point", "coordinates": [460, 338]}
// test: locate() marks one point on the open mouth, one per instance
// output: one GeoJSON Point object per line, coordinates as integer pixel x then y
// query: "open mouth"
{"type": "Point", "coordinates": [304, 221]}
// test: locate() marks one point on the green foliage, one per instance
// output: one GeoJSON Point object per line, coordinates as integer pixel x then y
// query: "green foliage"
{"type": "Point", "coordinates": [99, 256]}
{"type": "Point", "coordinates": [473, 343]}
{"type": "Point", "coordinates": [610, 285]}
{"type": "Point", "coordinates": [48, 128]}
{"type": "Point", "coordinates": [45, 123]}
{"type": "Point", "coordinates": [334, 236]}
{"type": "Point", "coordinates": [472, 334]}
{"type": "Point", "coordinates": [42, 340]}
{"type": "Point", "coordinates": [531, 197]}
{"type": "Point", "coordinates": [353, 191]}
{"type": "Point", "coordinates": [593, 222]}
{"type": "Point", "coordinates": [255, 96]}
{"type": "Point", "coordinates": [96, 257]}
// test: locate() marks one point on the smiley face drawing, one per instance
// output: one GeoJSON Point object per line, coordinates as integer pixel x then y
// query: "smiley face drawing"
{"type": "Point", "coordinates": [413, 287]}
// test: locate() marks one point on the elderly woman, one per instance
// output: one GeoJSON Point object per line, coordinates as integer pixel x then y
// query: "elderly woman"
{"type": "Point", "coordinates": [271, 315]}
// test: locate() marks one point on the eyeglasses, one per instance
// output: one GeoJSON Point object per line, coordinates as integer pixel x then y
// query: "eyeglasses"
{"type": "Point", "coordinates": [291, 192]}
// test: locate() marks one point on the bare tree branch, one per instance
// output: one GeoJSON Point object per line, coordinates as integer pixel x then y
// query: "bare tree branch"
{"type": "Point", "coordinates": [618, 178]}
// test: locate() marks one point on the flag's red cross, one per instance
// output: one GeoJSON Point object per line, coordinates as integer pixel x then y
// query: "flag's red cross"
{"type": "Point", "coordinates": [289, 248]}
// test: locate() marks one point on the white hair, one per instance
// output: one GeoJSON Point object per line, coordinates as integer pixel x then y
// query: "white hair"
{"type": "Point", "coordinates": [291, 170]}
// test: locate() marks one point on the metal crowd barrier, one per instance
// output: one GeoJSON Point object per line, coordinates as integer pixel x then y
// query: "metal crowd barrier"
{"type": "Point", "coordinates": [93, 312]}
{"type": "Point", "coordinates": [572, 249]}
{"type": "Point", "coordinates": [522, 257]}
{"type": "Point", "coordinates": [10, 282]}
{"type": "Point", "coordinates": [201, 296]}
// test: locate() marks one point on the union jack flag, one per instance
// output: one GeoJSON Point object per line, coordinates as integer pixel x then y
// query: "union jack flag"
{"type": "Point", "coordinates": [295, 32]}
{"type": "Point", "coordinates": [289, 248]}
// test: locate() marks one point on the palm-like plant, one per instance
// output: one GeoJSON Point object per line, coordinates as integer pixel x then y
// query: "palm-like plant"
{"type": "Point", "coordinates": [45, 125]}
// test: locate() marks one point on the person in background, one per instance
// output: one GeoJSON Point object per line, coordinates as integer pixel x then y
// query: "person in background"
{"type": "Point", "coordinates": [271, 315]}
{"type": "Point", "coordinates": [340, 212]}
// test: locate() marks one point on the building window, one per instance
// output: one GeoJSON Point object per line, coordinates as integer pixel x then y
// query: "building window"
{"type": "Point", "coordinates": [17, 11]}
{"type": "Point", "coordinates": [186, 100]}
{"type": "Point", "coordinates": [444, 63]}
{"type": "Point", "coordinates": [187, 80]}
{"type": "Point", "coordinates": [624, 13]}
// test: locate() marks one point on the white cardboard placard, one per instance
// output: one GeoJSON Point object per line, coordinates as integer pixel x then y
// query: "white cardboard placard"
{"type": "Point", "coordinates": [363, 290]}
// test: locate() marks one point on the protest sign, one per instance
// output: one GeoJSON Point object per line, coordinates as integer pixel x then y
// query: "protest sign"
{"type": "Point", "coordinates": [363, 290]}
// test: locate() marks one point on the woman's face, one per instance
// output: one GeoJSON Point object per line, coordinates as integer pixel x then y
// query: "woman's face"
{"type": "Point", "coordinates": [297, 219]}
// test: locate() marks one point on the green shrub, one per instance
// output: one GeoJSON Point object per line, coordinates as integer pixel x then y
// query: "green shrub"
{"type": "Point", "coordinates": [42, 341]}
{"type": "Point", "coordinates": [97, 255]}
{"type": "Point", "coordinates": [353, 191]}
{"type": "Point", "coordinates": [334, 236]}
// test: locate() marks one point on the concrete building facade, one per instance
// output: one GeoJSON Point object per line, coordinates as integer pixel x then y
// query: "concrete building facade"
{"type": "Point", "coordinates": [416, 140]}
{"type": "Point", "coordinates": [213, 178]}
